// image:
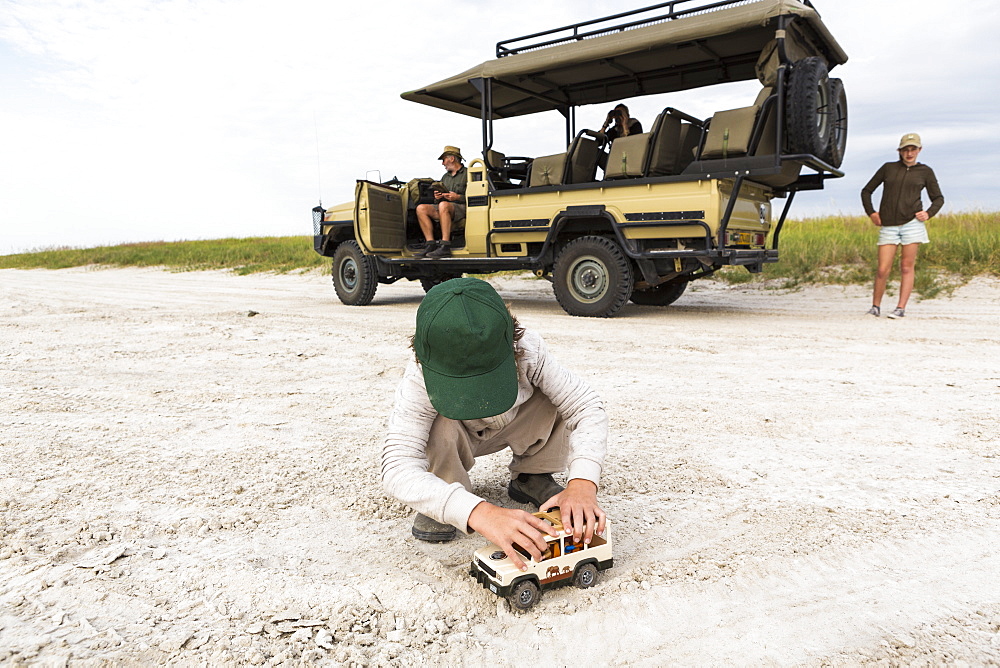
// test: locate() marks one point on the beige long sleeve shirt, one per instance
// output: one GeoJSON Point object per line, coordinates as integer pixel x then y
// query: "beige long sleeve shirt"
{"type": "Point", "coordinates": [405, 474]}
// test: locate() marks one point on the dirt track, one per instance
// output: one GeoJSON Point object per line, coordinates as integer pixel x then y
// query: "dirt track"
{"type": "Point", "coordinates": [789, 481]}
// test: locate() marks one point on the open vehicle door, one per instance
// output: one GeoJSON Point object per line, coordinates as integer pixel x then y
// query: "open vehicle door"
{"type": "Point", "coordinates": [380, 217]}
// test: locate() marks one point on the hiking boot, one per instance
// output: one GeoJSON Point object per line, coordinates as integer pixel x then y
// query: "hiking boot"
{"type": "Point", "coordinates": [424, 528]}
{"type": "Point", "coordinates": [875, 311]}
{"type": "Point", "coordinates": [534, 488]}
{"type": "Point", "coordinates": [428, 247]}
{"type": "Point", "coordinates": [443, 250]}
{"type": "Point", "coordinates": [897, 313]}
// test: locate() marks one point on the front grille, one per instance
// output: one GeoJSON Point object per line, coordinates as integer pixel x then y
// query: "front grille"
{"type": "Point", "coordinates": [486, 569]}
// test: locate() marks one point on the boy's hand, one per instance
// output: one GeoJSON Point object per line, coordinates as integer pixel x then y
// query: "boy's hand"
{"type": "Point", "coordinates": [577, 504]}
{"type": "Point", "coordinates": [506, 527]}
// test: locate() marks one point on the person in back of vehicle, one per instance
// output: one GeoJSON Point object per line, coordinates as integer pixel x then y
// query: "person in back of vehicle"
{"type": "Point", "coordinates": [621, 124]}
{"type": "Point", "coordinates": [617, 124]}
{"type": "Point", "coordinates": [479, 384]}
{"type": "Point", "coordinates": [901, 218]}
{"type": "Point", "coordinates": [448, 207]}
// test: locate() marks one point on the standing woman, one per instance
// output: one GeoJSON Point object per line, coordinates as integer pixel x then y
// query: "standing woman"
{"type": "Point", "coordinates": [901, 217]}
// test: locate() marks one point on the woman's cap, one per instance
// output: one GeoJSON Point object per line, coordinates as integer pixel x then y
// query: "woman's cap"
{"type": "Point", "coordinates": [910, 139]}
{"type": "Point", "coordinates": [465, 345]}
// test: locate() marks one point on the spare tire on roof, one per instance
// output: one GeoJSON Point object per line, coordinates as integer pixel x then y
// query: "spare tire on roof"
{"type": "Point", "coordinates": [838, 121]}
{"type": "Point", "coordinates": [807, 107]}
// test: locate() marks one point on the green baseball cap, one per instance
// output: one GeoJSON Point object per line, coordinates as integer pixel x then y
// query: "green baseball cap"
{"type": "Point", "coordinates": [465, 344]}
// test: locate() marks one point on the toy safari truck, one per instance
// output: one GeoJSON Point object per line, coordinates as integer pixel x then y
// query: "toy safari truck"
{"type": "Point", "coordinates": [670, 205]}
{"type": "Point", "coordinates": [564, 561]}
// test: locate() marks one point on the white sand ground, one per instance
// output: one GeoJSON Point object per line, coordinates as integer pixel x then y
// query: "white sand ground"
{"type": "Point", "coordinates": [789, 482]}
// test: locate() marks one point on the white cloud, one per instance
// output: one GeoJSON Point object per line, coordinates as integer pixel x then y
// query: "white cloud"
{"type": "Point", "coordinates": [183, 119]}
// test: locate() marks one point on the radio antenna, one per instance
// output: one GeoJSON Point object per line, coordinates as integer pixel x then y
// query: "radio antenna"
{"type": "Point", "coordinates": [319, 172]}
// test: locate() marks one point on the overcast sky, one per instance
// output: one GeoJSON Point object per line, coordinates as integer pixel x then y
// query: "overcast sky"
{"type": "Point", "coordinates": [197, 119]}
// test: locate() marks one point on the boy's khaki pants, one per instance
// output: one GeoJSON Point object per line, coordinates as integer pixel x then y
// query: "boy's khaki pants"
{"type": "Point", "coordinates": [537, 437]}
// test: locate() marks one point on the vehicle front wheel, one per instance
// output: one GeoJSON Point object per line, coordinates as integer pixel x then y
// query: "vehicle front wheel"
{"type": "Point", "coordinates": [663, 294]}
{"type": "Point", "coordinates": [585, 576]}
{"type": "Point", "coordinates": [354, 275]}
{"type": "Point", "coordinates": [524, 596]}
{"type": "Point", "coordinates": [592, 277]}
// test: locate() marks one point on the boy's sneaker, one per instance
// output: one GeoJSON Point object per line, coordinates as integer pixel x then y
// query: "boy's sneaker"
{"type": "Point", "coordinates": [533, 488]}
{"type": "Point", "coordinates": [897, 313]}
{"type": "Point", "coordinates": [875, 311]}
{"type": "Point", "coordinates": [443, 250]}
{"type": "Point", "coordinates": [428, 247]}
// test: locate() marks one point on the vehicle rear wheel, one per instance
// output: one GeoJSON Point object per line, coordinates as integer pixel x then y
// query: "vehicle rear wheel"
{"type": "Point", "coordinates": [524, 596]}
{"type": "Point", "coordinates": [428, 283]}
{"type": "Point", "coordinates": [585, 576]}
{"type": "Point", "coordinates": [592, 277]}
{"type": "Point", "coordinates": [838, 121]}
{"type": "Point", "coordinates": [354, 276]}
{"type": "Point", "coordinates": [808, 107]}
{"type": "Point", "coordinates": [663, 294]}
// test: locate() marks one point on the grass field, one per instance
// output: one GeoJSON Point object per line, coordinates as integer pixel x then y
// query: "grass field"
{"type": "Point", "coordinates": [842, 250]}
{"type": "Point", "coordinates": [243, 256]}
{"type": "Point", "coordinates": [834, 249]}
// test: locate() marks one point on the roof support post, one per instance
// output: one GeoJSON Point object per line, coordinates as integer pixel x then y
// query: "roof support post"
{"type": "Point", "coordinates": [569, 113]}
{"type": "Point", "coordinates": [485, 88]}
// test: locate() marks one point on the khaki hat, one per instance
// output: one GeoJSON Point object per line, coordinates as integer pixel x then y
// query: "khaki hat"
{"type": "Point", "coordinates": [451, 150]}
{"type": "Point", "coordinates": [465, 344]}
{"type": "Point", "coordinates": [910, 139]}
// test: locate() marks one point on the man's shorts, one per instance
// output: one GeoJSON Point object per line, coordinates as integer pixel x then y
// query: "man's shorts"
{"type": "Point", "coordinates": [913, 232]}
{"type": "Point", "coordinates": [458, 213]}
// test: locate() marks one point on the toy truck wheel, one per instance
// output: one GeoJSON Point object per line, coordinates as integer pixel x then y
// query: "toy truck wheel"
{"type": "Point", "coordinates": [524, 596]}
{"type": "Point", "coordinates": [354, 275]}
{"type": "Point", "coordinates": [808, 107]}
{"type": "Point", "coordinates": [664, 294]}
{"type": "Point", "coordinates": [592, 277]}
{"type": "Point", "coordinates": [585, 576]}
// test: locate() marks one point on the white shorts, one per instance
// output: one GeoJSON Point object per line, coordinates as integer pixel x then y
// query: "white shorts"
{"type": "Point", "coordinates": [913, 232]}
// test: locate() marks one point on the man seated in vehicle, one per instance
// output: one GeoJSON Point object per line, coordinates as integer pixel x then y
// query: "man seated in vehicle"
{"type": "Point", "coordinates": [480, 383]}
{"type": "Point", "coordinates": [448, 208]}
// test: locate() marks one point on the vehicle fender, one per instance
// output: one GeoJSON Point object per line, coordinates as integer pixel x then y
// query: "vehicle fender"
{"type": "Point", "coordinates": [518, 580]}
{"type": "Point", "coordinates": [601, 221]}
{"type": "Point", "coordinates": [341, 231]}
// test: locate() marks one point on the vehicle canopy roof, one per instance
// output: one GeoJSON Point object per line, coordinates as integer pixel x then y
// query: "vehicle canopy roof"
{"type": "Point", "coordinates": [690, 47]}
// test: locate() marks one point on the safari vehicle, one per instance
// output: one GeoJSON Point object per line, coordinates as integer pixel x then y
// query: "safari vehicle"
{"type": "Point", "coordinates": [564, 561]}
{"type": "Point", "coordinates": [673, 204]}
